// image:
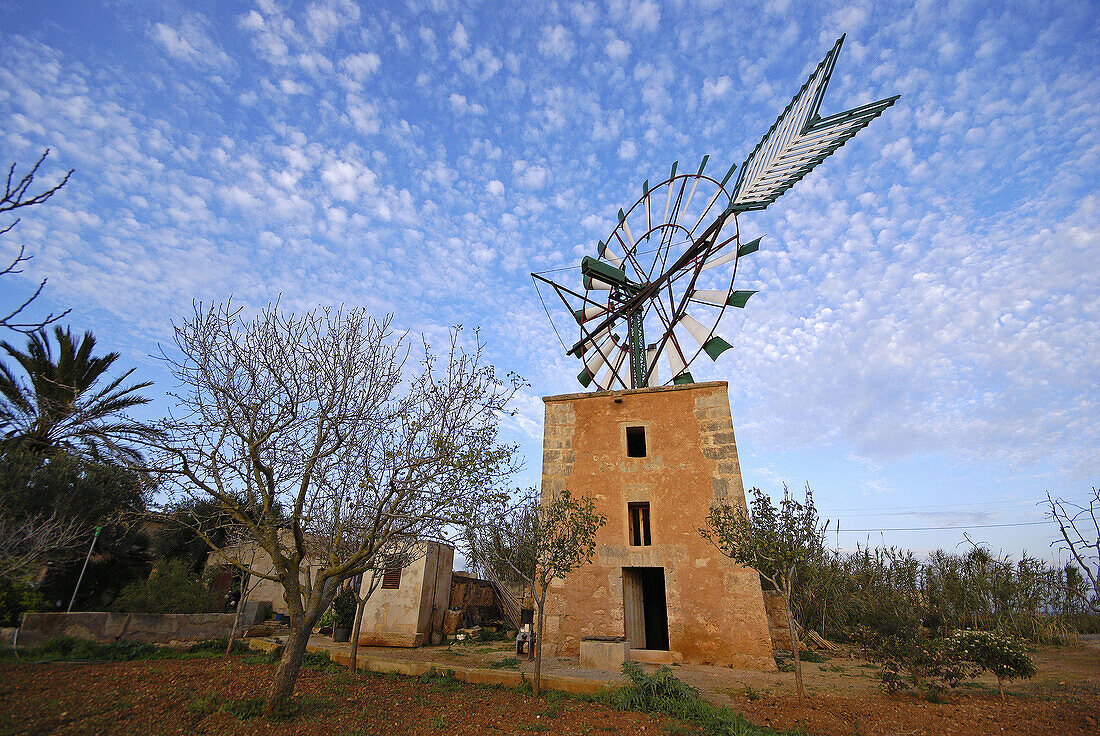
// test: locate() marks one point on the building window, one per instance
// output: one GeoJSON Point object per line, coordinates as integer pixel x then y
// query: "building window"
{"type": "Point", "coordinates": [635, 441]}
{"type": "Point", "coordinates": [391, 578]}
{"type": "Point", "coordinates": [639, 524]}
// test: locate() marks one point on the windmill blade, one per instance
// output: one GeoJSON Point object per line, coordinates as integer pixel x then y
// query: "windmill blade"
{"type": "Point", "coordinates": [717, 192]}
{"type": "Point", "coordinates": [604, 251]}
{"type": "Point", "coordinates": [591, 284]}
{"type": "Point", "coordinates": [589, 340]}
{"type": "Point", "coordinates": [668, 197]}
{"type": "Point", "coordinates": [743, 250]}
{"type": "Point", "coordinates": [626, 229]}
{"type": "Point", "coordinates": [799, 140]}
{"type": "Point", "coordinates": [676, 362]}
{"type": "Point", "coordinates": [588, 313]}
{"type": "Point", "coordinates": [711, 343]}
{"type": "Point", "coordinates": [593, 365]}
{"type": "Point", "coordinates": [723, 298]}
{"type": "Point", "coordinates": [651, 356]}
{"type": "Point", "coordinates": [613, 371]}
{"type": "Point", "coordinates": [694, 186]}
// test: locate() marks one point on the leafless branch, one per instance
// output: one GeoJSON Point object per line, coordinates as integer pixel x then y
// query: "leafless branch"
{"type": "Point", "coordinates": [28, 543]}
{"type": "Point", "coordinates": [17, 194]}
{"type": "Point", "coordinates": [1080, 529]}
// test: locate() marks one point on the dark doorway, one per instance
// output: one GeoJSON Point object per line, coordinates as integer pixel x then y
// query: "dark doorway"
{"type": "Point", "coordinates": [645, 607]}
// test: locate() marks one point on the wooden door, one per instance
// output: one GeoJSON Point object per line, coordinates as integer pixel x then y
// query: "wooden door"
{"type": "Point", "coordinates": [633, 608]}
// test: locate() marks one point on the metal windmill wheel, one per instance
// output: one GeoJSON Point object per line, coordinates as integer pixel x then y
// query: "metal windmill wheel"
{"type": "Point", "coordinates": [677, 321]}
{"type": "Point", "coordinates": [661, 282]}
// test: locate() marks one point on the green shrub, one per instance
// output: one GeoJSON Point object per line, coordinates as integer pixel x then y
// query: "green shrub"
{"type": "Point", "coordinates": [170, 588]}
{"type": "Point", "coordinates": [17, 598]}
{"type": "Point", "coordinates": [661, 692]}
{"type": "Point", "coordinates": [1004, 656]}
{"type": "Point", "coordinates": [343, 608]}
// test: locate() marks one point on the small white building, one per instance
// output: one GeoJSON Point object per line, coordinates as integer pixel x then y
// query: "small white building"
{"type": "Point", "coordinates": [409, 603]}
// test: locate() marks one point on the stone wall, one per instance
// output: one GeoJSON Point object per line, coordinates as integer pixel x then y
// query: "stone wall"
{"type": "Point", "coordinates": [715, 609]}
{"type": "Point", "coordinates": [155, 628]}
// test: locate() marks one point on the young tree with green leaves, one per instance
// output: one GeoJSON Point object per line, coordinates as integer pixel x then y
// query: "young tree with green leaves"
{"type": "Point", "coordinates": [319, 415]}
{"type": "Point", "coordinates": [557, 535]}
{"type": "Point", "coordinates": [776, 542]}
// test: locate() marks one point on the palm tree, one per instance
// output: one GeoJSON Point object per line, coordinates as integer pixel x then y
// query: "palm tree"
{"type": "Point", "coordinates": [60, 409]}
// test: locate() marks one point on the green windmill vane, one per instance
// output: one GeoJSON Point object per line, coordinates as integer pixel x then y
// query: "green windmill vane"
{"type": "Point", "coordinates": [655, 274]}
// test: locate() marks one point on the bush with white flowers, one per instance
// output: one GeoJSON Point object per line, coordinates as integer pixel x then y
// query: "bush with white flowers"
{"type": "Point", "coordinates": [1004, 656]}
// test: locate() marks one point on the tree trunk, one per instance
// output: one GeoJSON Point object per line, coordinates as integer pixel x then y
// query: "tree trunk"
{"type": "Point", "coordinates": [538, 644]}
{"type": "Point", "coordinates": [237, 616]}
{"type": "Point", "coordinates": [794, 644]}
{"type": "Point", "coordinates": [282, 685]}
{"type": "Point", "coordinates": [362, 604]}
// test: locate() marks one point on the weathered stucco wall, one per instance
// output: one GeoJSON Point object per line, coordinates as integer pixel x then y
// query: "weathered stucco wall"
{"type": "Point", "coordinates": [407, 615]}
{"type": "Point", "coordinates": [715, 608]}
{"type": "Point", "coordinates": [254, 557]}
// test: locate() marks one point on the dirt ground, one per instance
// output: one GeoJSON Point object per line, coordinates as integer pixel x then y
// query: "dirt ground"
{"type": "Point", "coordinates": [844, 697]}
{"type": "Point", "coordinates": [157, 698]}
{"type": "Point", "coordinates": [209, 696]}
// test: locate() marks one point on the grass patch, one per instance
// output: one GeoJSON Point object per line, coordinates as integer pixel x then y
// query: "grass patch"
{"type": "Point", "coordinates": [661, 692]}
{"type": "Point", "coordinates": [506, 663]}
{"type": "Point", "coordinates": [318, 661]}
{"type": "Point", "coordinates": [440, 681]}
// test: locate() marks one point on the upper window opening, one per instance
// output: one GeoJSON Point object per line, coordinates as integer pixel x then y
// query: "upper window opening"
{"type": "Point", "coordinates": [639, 524]}
{"type": "Point", "coordinates": [635, 441]}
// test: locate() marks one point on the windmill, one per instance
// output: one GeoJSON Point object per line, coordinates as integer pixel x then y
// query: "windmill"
{"type": "Point", "coordinates": [668, 268]}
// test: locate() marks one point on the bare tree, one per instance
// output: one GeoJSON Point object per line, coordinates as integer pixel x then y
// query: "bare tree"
{"type": "Point", "coordinates": [1080, 529]}
{"type": "Point", "coordinates": [17, 193]}
{"type": "Point", "coordinates": [318, 414]}
{"type": "Point", "coordinates": [30, 542]}
{"type": "Point", "coordinates": [777, 543]}
{"type": "Point", "coordinates": [559, 535]}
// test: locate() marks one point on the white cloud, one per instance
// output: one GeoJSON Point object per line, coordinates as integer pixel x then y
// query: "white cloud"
{"type": "Point", "coordinates": [715, 88]}
{"type": "Point", "coordinates": [627, 151]}
{"type": "Point", "coordinates": [529, 176]}
{"type": "Point", "coordinates": [556, 42]}
{"type": "Point", "coordinates": [459, 38]}
{"type": "Point", "coordinates": [617, 49]}
{"type": "Point", "coordinates": [459, 103]}
{"type": "Point", "coordinates": [325, 19]}
{"type": "Point", "coordinates": [639, 15]}
{"type": "Point", "coordinates": [495, 188]}
{"type": "Point", "coordinates": [360, 66]}
{"type": "Point", "coordinates": [190, 43]}
{"type": "Point", "coordinates": [481, 65]}
{"type": "Point", "coordinates": [347, 180]}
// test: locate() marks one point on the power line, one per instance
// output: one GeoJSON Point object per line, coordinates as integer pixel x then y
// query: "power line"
{"type": "Point", "coordinates": [941, 528]}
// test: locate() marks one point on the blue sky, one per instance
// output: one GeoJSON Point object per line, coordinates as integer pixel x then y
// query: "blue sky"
{"type": "Point", "coordinates": [923, 349]}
